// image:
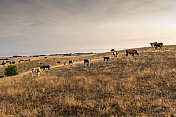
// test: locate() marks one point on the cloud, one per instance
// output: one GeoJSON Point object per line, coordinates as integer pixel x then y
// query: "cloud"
{"type": "Point", "coordinates": [72, 23]}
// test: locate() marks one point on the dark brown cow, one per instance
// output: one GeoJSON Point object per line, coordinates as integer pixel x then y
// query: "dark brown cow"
{"type": "Point", "coordinates": [131, 52]}
{"type": "Point", "coordinates": [106, 58]}
{"type": "Point", "coordinates": [87, 62]}
{"type": "Point", "coordinates": [156, 45]}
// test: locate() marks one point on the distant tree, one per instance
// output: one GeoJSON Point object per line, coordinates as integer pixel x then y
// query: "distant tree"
{"type": "Point", "coordinates": [11, 70]}
{"type": "Point", "coordinates": [112, 49]}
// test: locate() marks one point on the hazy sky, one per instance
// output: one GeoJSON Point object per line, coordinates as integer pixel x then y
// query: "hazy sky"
{"type": "Point", "coordinates": [47, 25]}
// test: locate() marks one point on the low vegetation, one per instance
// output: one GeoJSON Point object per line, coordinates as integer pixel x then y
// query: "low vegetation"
{"type": "Point", "coordinates": [143, 85]}
{"type": "Point", "coordinates": [11, 70]}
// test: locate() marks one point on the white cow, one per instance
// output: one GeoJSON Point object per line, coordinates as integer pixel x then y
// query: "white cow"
{"type": "Point", "coordinates": [37, 71]}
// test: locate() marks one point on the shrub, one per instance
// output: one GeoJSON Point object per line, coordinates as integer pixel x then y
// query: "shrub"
{"type": "Point", "coordinates": [11, 70]}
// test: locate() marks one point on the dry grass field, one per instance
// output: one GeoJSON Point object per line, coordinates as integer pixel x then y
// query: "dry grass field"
{"type": "Point", "coordinates": [143, 85]}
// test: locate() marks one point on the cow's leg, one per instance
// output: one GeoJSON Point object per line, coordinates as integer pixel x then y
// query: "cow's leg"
{"type": "Point", "coordinates": [32, 74]}
{"type": "Point", "coordinates": [127, 54]}
{"type": "Point", "coordinates": [38, 74]}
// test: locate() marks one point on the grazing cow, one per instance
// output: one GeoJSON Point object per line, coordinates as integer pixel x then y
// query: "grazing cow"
{"type": "Point", "coordinates": [46, 66]}
{"type": "Point", "coordinates": [106, 58]}
{"type": "Point", "coordinates": [131, 52]}
{"type": "Point", "coordinates": [37, 71]}
{"type": "Point", "coordinates": [158, 45]}
{"type": "Point", "coordinates": [87, 62]}
{"type": "Point", "coordinates": [115, 53]}
{"type": "Point", "coordinates": [70, 62]}
{"type": "Point", "coordinates": [152, 44]}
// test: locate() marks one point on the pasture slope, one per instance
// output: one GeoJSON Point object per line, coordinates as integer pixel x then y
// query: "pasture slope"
{"type": "Point", "coordinates": [143, 85]}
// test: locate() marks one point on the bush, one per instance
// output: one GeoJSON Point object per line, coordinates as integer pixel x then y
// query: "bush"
{"type": "Point", "coordinates": [11, 70]}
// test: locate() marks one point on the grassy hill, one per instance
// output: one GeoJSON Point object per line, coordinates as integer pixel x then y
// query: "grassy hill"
{"type": "Point", "coordinates": [143, 85]}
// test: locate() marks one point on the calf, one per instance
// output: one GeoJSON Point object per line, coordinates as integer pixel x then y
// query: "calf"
{"type": "Point", "coordinates": [106, 58]}
{"type": "Point", "coordinates": [37, 71]}
{"type": "Point", "coordinates": [87, 62]}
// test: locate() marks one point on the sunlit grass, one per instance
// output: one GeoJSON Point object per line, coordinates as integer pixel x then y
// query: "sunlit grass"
{"type": "Point", "coordinates": [143, 85]}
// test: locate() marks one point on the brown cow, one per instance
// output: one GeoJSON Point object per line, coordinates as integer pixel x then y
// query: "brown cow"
{"type": "Point", "coordinates": [131, 52]}
{"type": "Point", "coordinates": [158, 45]}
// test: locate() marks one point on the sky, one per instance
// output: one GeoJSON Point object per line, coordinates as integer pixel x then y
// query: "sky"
{"type": "Point", "coordinates": [58, 25]}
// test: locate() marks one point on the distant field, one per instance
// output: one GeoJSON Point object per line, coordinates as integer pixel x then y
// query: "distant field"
{"type": "Point", "coordinates": [143, 85]}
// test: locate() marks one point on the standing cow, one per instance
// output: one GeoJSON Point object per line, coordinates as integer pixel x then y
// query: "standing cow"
{"type": "Point", "coordinates": [87, 62]}
{"type": "Point", "coordinates": [115, 53]}
{"type": "Point", "coordinates": [131, 52]}
{"type": "Point", "coordinates": [70, 62]}
{"type": "Point", "coordinates": [106, 58]}
{"type": "Point", "coordinates": [37, 71]}
{"type": "Point", "coordinates": [156, 45]}
{"type": "Point", "coordinates": [46, 66]}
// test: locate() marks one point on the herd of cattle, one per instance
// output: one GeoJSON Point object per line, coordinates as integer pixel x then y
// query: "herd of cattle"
{"type": "Point", "coordinates": [106, 58]}
{"type": "Point", "coordinates": [86, 61]}
{"type": "Point", "coordinates": [12, 62]}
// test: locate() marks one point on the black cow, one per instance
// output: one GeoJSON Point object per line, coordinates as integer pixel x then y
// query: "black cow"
{"type": "Point", "coordinates": [46, 66]}
{"type": "Point", "coordinates": [106, 58]}
{"type": "Point", "coordinates": [70, 62]}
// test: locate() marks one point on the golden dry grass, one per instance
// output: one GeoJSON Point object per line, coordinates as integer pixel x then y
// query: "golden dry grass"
{"type": "Point", "coordinates": [143, 85]}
